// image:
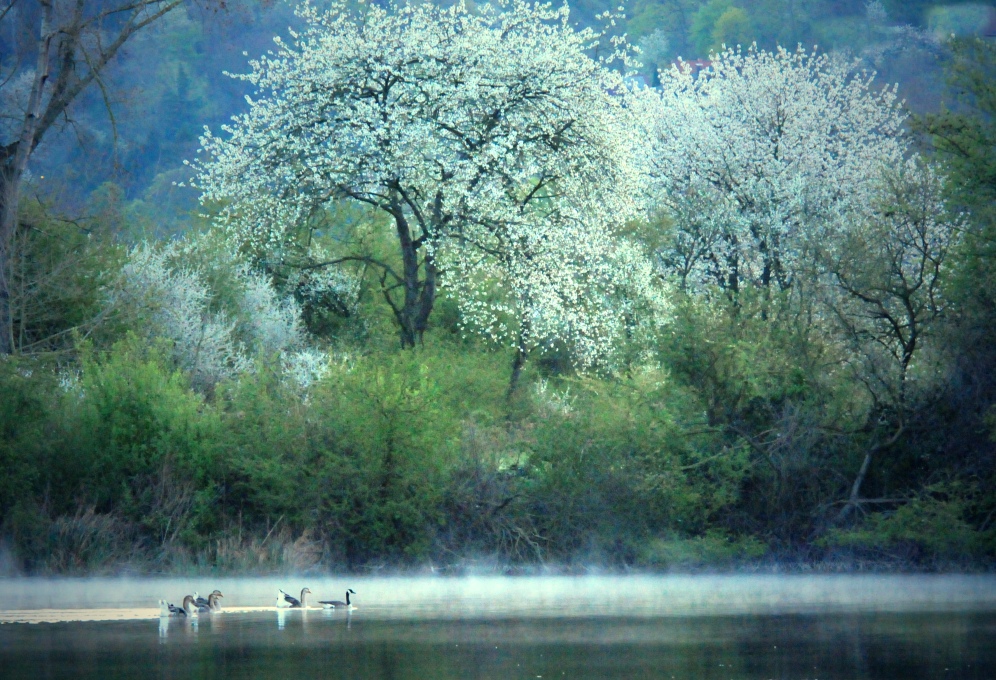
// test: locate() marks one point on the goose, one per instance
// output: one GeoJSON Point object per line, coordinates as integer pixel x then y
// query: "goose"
{"type": "Point", "coordinates": [211, 604]}
{"type": "Point", "coordinates": [285, 600]}
{"type": "Point", "coordinates": [189, 608]}
{"type": "Point", "coordinates": [332, 604]}
{"type": "Point", "coordinates": [170, 609]}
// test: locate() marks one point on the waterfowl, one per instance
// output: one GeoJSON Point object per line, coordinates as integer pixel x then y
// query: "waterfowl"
{"type": "Point", "coordinates": [170, 609]}
{"type": "Point", "coordinates": [293, 602]}
{"type": "Point", "coordinates": [211, 604]}
{"type": "Point", "coordinates": [189, 608]}
{"type": "Point", "coordinates": [332, 604]}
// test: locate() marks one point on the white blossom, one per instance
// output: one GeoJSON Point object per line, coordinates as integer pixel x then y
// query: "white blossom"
{"type": "Point", "coordinates": [503, 151]}
{"type": "Point", "coordinates": [216, 312]}
{"type": "Point", "coordinates": [764, 152]}
{"type": "Point", "coordinates": [273, 323]}
{"type": "Point", "coordinates": [174, 303]}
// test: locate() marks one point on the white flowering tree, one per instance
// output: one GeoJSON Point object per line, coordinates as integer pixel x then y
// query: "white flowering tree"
{"type": "Point", "coordinates": [502, 153]}
{"type": "Point", "coordinates": [763, 154]}
{"type": "Point", "coordinates": [216, 314]}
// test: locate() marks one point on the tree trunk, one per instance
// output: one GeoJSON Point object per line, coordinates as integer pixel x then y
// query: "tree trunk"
{"type": "Point", "coordinates": [419, 294]}
{"type": "Point", "coordinates": [409, 261]}
{"type": "Point", "coordinates": [8, 222]}
{"type": "Point", "coordinates": [854, 499]}
{"type": "Point", "coordinates": [14, 164]}
{"type": "Point", "coordinates": [521, 354]}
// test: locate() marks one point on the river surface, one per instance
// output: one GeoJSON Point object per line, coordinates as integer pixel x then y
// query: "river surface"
{"type": "Point", "coordinates": [800, 627]}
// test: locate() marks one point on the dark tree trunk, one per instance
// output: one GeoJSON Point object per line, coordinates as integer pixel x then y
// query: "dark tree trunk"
{"type": "Point", "coordinates": [65, 33]}
{"type": "Point", "coordinates": [854, 499]}
{"type": "Point", "coordinates": [8, 221]}
{"type": "Point", "coordinates": [521, 354]}
{"type": "Point", "coordinates": [419, 297]}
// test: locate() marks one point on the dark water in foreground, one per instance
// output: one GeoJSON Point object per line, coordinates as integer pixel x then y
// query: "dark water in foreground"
{"type": "Point", "coordinates": [334, 645]}
{"type": "Point", "coordinates": [829, 641]}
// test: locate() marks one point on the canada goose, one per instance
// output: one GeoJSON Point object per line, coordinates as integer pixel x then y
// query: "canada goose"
{"type": "Point", "coordinates": [332, 604]}
{"type": "Point", "coordinates": [293, 602]}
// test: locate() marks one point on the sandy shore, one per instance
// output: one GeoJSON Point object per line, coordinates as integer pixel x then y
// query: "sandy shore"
{"type": "Point", "coordinates": [128, 614]}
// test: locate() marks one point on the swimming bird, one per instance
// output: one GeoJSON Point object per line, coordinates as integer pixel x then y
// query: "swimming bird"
{"type": "Point", "coordinates": [211, 604]}
{"type": "Point", "coordinates": [332, 604]}
{"type": "Point", "coordinates": [293, 602]}
{"type": "Point", "coordinates": [170, 609]}
{"type": "Point", "coordinates": [189, 608]}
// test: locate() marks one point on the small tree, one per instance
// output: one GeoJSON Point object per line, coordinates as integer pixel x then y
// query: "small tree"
{"type": "Point", "coordinates": [500, 150]}
{"type": "Point", "coordinates": [763, 154]}
{"type": "Point", "coordinates": [885, 294]}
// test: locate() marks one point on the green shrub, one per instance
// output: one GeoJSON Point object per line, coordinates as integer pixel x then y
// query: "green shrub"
{"type": "Point", "coordinates": [140, 443]}
{"type": "Point", "coordinates": [712, 549]}
{"type": "Point", "coordinates": [931, 526]}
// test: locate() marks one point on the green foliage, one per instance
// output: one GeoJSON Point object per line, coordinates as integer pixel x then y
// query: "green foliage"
{"type": "Point", "coordinates": [702, 32]}
{"type": "Point", "coordinates": [932, 525]}
{"type": "Point", "coordinates": [713, 549]}
{"type": "Point", "coordinates": [394, 439]}
{"type": "Point", "coordinates": [143, 443]}
{"type": "Point", "coordinates": [733, 27]}
{"type": "Point", "coordinates": [59, 269]}
{"type": "Point", "coordinates": [28, 388]}
{"type": "Point", "coordinates": [612, 467]}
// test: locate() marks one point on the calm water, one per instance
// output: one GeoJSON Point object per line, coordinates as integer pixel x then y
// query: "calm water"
{"type": "Point", "coordinates": [617, 627]}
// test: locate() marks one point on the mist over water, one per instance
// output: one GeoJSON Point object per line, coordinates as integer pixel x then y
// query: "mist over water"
{"type": "Point", "coordinates": [535, 596]}
{"type": "Point", "coordinates": [498, 627]}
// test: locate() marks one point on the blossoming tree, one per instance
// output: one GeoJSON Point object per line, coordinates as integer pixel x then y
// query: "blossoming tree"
{"type": "Point", "coordinates": [763, 153]}
{"type": "Point", "coordinates": [500, 150]}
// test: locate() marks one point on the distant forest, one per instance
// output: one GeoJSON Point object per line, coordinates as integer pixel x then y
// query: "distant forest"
{"type": "Point", "coordinates": [673, 285]}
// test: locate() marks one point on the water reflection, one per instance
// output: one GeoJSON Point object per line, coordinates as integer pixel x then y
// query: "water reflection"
{"type": "Point", "coordinates": [858, 646]}
{"type": "Point", "coordinates": [281, 618]}
{"type": "Point", "coordinates": [216, 619]}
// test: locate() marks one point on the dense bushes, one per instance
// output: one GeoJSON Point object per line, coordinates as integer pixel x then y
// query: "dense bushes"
{"type": "Point", "coordinates": [728, 438]}
{"type": "Point", "coordinates": [397, 459]}
{"type": "Point", "coordinates": [183, 406]}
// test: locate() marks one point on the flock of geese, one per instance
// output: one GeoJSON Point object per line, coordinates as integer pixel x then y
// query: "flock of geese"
{"type": "Point", "coordinates": [195, 604]}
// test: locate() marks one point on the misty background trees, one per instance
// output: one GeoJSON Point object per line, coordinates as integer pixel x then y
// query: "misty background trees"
{"type": "Point", "coordinates": [464, 285]}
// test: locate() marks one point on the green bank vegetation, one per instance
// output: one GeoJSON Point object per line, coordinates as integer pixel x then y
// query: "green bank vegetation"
{"type": "Point", "coordinates": [732, 437]}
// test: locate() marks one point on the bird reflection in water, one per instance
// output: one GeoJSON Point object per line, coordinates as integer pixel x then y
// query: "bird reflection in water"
{"type": "Point", "coordinates": [216, 622]}
{"type": "Point", "coordinates": [189, 625]}
{"type": "Point", "coordinates": [331, 614]}
{"type": "Point", "coordinates": [281, 618]}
